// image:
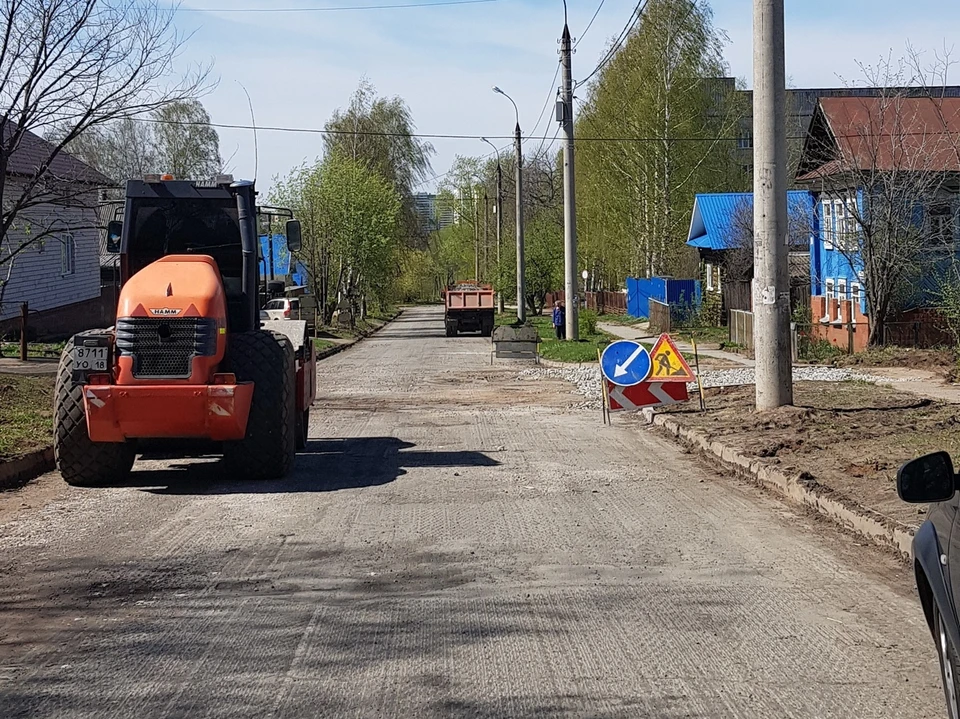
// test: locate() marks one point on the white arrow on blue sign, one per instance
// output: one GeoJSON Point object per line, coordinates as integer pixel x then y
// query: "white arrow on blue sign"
{"type": "Point", "coordinates": [625, 363]}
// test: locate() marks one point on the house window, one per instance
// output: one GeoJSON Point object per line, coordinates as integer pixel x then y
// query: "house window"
{"type": "Point", "coordinates": [839, 224]}
{"type": "Point", "coordinates": [851, 227]}
{"type": "Point", "coordinates": [827, 206]}
{"type": "Point", "coordinates": [68, 254]}
{"type": "Point", "coordinates": [841, 296]}
{"type": "Point", "coordinates": [854, 301]}
{"type": "Point", "coordinates": [829, 301]}
{"type": "Point", "coordinates": [745, 139]}
{"type": "Point", "coordinates": [709, 277]}
{"type": "Point", "coordinates": [940, 227]}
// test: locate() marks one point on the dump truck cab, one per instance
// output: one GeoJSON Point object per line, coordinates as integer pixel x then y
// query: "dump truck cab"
{"type": "Point", "coordinates": [188, 357]}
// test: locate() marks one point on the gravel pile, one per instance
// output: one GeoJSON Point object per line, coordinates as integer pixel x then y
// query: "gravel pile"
{"type": "Point", "coordinates": [586, 380]}
{"type": "Point", "coordinates": [744, 375]}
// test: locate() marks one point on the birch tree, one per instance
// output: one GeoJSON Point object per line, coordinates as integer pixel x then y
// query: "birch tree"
{"type": "Point", "coordinates": [658, 126]}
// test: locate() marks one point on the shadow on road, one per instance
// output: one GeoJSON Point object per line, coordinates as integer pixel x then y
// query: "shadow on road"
{"type": "Point", "coordinates": [219, 633]}
{"type": "Point", "coordinates": [326, 465]}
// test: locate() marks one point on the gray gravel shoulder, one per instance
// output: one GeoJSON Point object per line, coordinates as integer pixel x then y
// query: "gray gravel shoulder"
{"type": "Point", "coordinates": [586, 379]}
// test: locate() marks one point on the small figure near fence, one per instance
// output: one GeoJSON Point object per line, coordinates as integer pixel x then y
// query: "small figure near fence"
{"type": "Point", "coordinates": [559, 320]}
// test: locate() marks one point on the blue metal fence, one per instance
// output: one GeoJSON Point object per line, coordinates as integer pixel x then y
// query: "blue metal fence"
{"type": "Point", "coordinates": [662, 289]}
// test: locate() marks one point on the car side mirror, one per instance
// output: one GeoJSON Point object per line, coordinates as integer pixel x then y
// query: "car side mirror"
{"type": "Point", "coordinates": [927, 479]}
{"type": "Point", "coordinates": [114, 230]}
{"type": "Point", "coordinates": [294, 241]}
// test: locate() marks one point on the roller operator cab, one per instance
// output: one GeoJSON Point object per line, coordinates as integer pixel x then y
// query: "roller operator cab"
{"type": "Point", "coordinates": [188, 358]}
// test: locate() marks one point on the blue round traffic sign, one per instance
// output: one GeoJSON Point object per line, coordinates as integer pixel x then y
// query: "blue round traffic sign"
{"type": "Point", "coordinates": [625, 363]}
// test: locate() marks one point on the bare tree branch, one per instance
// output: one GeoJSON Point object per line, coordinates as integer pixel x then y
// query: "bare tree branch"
{"type": "Point", "coordinates": [76, 65]}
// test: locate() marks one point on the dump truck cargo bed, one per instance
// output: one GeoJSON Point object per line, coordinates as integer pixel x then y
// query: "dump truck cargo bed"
{"type": "Point", "coordinates": [469, 307]}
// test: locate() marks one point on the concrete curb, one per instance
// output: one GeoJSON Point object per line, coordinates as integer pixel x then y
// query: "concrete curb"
{"type": "Point", "coordinates": [17, 472]}
{"type": "Point", "coordinates": [832, 504]}
{"type": "Point", "coordinates": [331, 351]}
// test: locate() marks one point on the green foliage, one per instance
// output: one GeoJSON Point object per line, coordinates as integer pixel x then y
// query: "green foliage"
{"type": "Point", "coordinates": [543, 256]}
{"type": "Point", "coordinates": [948, 300]}
{"type": "Point", "coordinates": [564, 351]}
{"type": "Point", "coordinates": [818, 350]}
{"type": "Point", "coordinates": [415, 279]}
{"type": "Point", "coordinates": [588, 322]}
{"type": "Point", "coordinates": [379, 133]}
{"type": "Point", "coordinates": [635, 196]}
{"type": "Point", "coordinates": [350, 219]}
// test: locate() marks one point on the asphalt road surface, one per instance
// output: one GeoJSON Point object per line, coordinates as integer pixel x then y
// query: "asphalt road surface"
{"type": "Point", "coordinates": [455, 542]}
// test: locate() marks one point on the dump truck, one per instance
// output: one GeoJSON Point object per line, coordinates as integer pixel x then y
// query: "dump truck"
{"type": "Point", "coordinates": [469, 307]}
{"type": "Point", "coordinates": [189, 358]}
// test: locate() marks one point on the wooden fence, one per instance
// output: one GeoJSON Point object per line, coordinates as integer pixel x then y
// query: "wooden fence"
{"type": "Point", "coordinates": [660, 319]}
{"type": "Point", "coordinates": [737, 295]}
{"type": "Point", "coordinates": [741, 328]}
{"type": "Point", "coordinates": [605, 303]}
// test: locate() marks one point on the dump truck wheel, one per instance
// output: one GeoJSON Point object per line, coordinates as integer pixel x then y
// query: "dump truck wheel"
{"type": "Point", "coordinates": [268, 449]}
{"type": "Point", "coordinates": [303, 429]}
{"type": "Point", "coordinates": [452, 329]}
{"type": "Point", "coordinates": [486, 327]}
{"type": "Point", "coordinates": [83, 463]}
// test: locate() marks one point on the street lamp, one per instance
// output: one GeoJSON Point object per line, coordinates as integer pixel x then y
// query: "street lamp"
{"type": "Point", "coordinates": [498, 209]}
{"type": "Point", "coordinates": [521, 293]}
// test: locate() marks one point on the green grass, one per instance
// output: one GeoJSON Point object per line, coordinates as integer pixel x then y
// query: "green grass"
{"type": "Point", "coordinates": [585, 350]}
{"type": "Point", "coordinates": [34, 349]}
{"type": "Point", "coordinates": [322, 344]}
{"type": "Point", "coordinates": [704, 334]}
{"type": "Point", "coordinates": [26, 414]}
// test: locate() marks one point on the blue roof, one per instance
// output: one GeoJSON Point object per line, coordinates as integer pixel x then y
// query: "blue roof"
{"type": "Point", "coordinates": [713, 213]}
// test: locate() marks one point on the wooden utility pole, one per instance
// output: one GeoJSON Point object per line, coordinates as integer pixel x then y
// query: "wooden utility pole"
{"type": "Point", "coordinates": [24, 311]}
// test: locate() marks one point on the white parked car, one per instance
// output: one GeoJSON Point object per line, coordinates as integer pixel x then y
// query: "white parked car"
{"type": "Point", "coordinates": [284, 308]}
{"type": "Point", "coordinates": [303, 307]}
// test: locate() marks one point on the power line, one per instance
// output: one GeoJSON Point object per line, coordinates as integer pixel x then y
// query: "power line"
{"type": "Point", "coordinates": [589, 24]}
{"type": "Point", "coordinates": [550, 91]}
{"type": "Point", "coordinates": [444, 174]}
{"type": "Point", "coordinates": [615, 48]}
{"type": "Point", "coordinates": [334, 9]}
{"type": "Point", "coordinates": [580, 138]}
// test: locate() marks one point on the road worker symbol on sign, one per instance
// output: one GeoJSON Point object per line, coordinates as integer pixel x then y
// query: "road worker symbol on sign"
{"type": "Point", "coordinates": [668, 363]}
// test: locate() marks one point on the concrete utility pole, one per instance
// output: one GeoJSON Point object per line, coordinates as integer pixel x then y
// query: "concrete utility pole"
{"type": "Point", "coordinates": [771, 301]}
{"type": "Point", "coordinates": [476, 236]}
{"type": "Point", "coordinates": [498, 209]}
{"type": "Point", "coordinates": [521, 266]}
{"type": "Point", "coordinates": [565, 118]}
{"type": "Point", "coordinates": [486, 235]}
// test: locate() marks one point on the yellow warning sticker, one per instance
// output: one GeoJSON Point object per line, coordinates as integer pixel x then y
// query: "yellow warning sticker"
{"type": "Point", "coordinates": [668, 364]}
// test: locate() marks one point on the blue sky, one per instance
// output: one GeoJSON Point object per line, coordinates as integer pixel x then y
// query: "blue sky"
{"type": "Point", "coordinates": [299, 66]}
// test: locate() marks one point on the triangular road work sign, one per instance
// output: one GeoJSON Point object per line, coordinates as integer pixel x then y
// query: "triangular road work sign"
{"type": "Point", "coordinates": [668, 363]}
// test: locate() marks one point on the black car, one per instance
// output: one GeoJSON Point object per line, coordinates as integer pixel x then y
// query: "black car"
{"type": "Point", "coordinates": [931, 479]}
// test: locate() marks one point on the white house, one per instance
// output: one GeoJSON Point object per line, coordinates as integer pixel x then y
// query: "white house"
{"type": "Point", "coordinates": [58, 275]}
